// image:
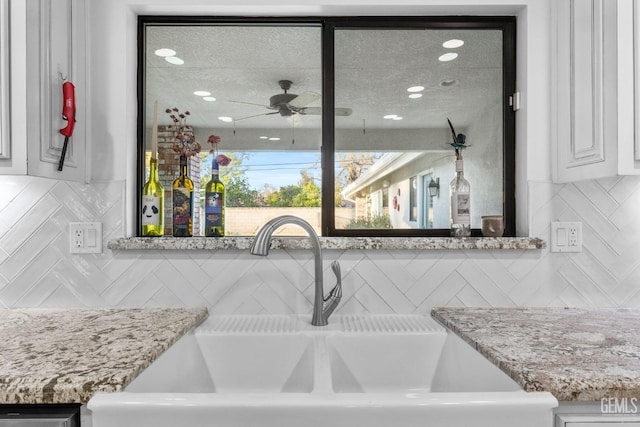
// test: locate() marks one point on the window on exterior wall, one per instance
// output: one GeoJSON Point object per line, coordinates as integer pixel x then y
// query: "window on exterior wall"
{"type": "Point", "coordinates": [336, 120]}
{"type": "Point", "coordinates": [413, 199]}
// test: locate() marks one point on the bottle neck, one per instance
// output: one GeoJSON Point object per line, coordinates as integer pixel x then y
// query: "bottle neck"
{"type": "Point", "coordinates": [183, 165]}
{"type": "Point", "coordinates": [215, 171]}
{"type": "Point", "coordinates": [153, 170]}
{"type": "Point", "coordinates": [459, 167]}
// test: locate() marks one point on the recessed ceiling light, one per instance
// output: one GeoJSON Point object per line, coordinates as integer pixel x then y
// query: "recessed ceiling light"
{"type": "Point", "coordinates": [390, 116]}
{"type": "Point", "coordinates": [415, 89]}
{"type": "Point", "coordinates": [164, 52]}
{"type": "Point", "coordinates": [453, 43]}
{"type": "Point", "coordinates": [208, 98]}
{"type": "Point", "coordinates": [264, 137]}
{"type": "Point", "coordinates": [201, 93]}
{"type": "Point", "coordinates": [225, 119]}
{"type": "Point", "coordinates": [448, 82]}
{"type": "Point", "coordinates": [415, 95]}
{"type": "Point", "coordinates": [274, 138]}
{"type": "Point", "coordinates": [448, 57]}
{"type": "Point", "coordinates": [174, 60]}
{"type": "Point", "coordinates": [397, 118]}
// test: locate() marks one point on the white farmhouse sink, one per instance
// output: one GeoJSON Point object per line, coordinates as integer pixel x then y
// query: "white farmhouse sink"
{"type": "Point", "coordinates": [359, 371]}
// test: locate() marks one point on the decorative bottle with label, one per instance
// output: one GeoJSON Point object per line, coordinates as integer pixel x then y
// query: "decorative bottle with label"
{"type": "Point", "coordinates": [214, 204]}
{"type": "Point", "coordinates": [152, 203]}
{"type": "Point", "coordinates": [182, 197]}
{"type": "Point", "coordinates": [460, 203]}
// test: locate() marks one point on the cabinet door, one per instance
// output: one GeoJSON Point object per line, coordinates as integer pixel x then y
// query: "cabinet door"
{"type": "Point", "coordinates": [5, 145]}
{"type": "Point", "coordinates": [611, 423]}
{"type": "Point", "coordinates": [585, 119]}
{"type": "Point", "coordinates": [56, 53]}
{"type": "Point", "coordinates": [596, 420]}
{"type": "Point", "coordinates": [628, 87]}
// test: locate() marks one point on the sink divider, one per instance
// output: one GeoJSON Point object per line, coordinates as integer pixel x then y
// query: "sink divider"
{"type": "Point", "coordinates": [321, 368]}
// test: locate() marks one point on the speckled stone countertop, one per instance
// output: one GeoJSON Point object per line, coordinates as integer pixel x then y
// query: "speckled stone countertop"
{"type": "Point", "coordinates": [340, 243]}
{"type": "Point", "coordinates": [575, 354]}
{"type": "Point", "coordinates": [67, 355]}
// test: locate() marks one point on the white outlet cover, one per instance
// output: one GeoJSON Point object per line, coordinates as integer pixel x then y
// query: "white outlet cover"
{"type": "Point", "coordinates": [85, 237]}
{"type": "Point", "coordinates": [562, 239]}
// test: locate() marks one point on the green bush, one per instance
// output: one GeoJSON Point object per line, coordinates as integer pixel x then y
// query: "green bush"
{"type": "Point", "coordinates": [378, 221]}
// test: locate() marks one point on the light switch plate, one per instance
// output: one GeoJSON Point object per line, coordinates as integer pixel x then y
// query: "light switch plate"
{"type": "Point", "coordinates": [85, 237]}
{"type": "Point", "coordinates": [566, 236]}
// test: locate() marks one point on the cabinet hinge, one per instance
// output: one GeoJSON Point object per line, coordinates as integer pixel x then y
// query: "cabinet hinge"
{"type": "Point", "coordinates": [514, 101]}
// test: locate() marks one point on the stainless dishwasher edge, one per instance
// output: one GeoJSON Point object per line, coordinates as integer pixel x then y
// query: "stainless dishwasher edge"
{"type": "Point", "coordinates": [39, 415]}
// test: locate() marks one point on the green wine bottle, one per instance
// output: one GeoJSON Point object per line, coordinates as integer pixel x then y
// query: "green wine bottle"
{"type": "Point", "coordinates": [153, 203]}
{"type": "Point", "coordinates": [182, 197]}
{"type": "Point", "coordinates": [214, 204]}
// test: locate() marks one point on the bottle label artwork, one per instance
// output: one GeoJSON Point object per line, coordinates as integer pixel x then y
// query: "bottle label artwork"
{"type": "Point", "coordinates": [213, 209]}
{"type": "Point", "coordinates": [150, 210]}
{"type": "Point", "coordinates": [460, 204]}
{"type": "Point", "coordinates": [181, 207]}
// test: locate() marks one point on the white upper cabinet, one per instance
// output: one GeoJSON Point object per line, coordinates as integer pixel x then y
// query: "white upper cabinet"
{"type": "Point", "coordinates": [628, 87]}
{"type": "Point", "coordinates": [5, 145]}
{"type": "Point", "coordinates": [42, 45]}
{"type": "Point", "coordinates": [595, 107]}
{"type": "Point", "coordinates": [56, 47]}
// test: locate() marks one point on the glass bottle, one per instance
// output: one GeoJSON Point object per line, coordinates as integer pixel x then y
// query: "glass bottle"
{"type": "Point", "coordinates": [152, 203]}
{"type": "Point", "coordinates": [459, 190]}
{"type": "Point", "coordinates": [182, 197]}
{"type": "Point", "coordinates": [214, 204]}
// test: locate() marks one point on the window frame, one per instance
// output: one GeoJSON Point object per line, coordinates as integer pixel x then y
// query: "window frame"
{"type": "Point", "coordinates": [328, 25]}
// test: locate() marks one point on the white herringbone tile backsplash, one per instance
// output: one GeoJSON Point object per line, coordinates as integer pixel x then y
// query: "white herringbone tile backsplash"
{"type": "Point", "coordinates": [36, 269]}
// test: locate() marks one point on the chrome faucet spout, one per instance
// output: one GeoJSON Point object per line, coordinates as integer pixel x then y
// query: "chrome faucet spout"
{"type": "Point", "coordinates": [262, 243]}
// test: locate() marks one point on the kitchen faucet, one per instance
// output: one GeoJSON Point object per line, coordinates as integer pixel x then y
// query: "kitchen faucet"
{"type": "Point", "coordinates": [322, 307]}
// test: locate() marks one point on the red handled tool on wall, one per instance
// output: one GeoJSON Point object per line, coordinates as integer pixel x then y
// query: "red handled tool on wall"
{"type": "Point", "coordinates": [68, 114]}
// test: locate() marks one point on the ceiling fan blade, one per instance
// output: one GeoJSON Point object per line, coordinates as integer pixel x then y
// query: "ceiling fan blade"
{"type": "Point", "coordinates": [256, 115]}
{"type": "Point", "coordinates": [250, 103]}
{"type": "Point", "coordinates": [339, 111]}
{"type": "Point", "coordinates": [304, 99]}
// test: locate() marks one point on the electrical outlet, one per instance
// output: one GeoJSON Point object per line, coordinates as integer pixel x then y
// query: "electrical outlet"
{"type": "Point", "coordinates": [566, 236]}
{"type": "Point", "coordinates": [85, 237]}
{"type": "Point", "coordinates": [77, 236]}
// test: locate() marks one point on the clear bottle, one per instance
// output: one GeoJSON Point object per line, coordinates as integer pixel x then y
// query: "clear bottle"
{"type": "Point", "coordinates": [152, 203]}
{"type": "Point", "coordinates": [214, 204]}
{"type": "Point", "coordinates": [182, 197]}
{"type": "Point", "coordinates": [460, 190]}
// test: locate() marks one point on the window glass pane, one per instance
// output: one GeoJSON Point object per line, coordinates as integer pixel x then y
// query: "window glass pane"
{"type": "Point", "coordinates": [401, 91]}
{"type": "Point", "coordinates": [257, 87]}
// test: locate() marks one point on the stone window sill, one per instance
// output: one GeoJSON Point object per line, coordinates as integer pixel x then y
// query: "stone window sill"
{"type": "Point", "coordinates": [339, 243]}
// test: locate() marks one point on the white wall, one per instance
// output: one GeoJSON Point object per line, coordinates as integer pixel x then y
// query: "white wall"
{"type": "Point", "coordinates": [37, 270]}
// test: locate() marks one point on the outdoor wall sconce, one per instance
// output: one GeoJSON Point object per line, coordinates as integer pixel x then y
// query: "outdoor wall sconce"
{"type": "Point", "coordinates": [434, 188]}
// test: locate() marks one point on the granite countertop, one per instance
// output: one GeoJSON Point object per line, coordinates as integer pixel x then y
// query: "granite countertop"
{"type": "Point", "coordinates": [67, 355]}
{"type": "Point", "coordinates": [575, 354]}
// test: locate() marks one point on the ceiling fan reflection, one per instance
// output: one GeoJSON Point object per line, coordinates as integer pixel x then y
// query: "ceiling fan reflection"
{"type": "Point", "coordinates": [290, 105]}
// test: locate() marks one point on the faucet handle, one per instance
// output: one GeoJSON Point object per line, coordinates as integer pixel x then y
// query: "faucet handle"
{"type": "Point", "coordinates": [336, 292]}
